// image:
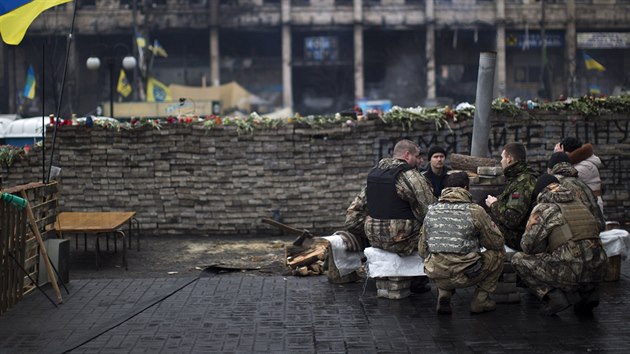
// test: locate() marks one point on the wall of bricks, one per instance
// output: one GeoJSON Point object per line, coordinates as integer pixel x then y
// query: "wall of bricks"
{"type": "Point", "coordinates": [185, 179]}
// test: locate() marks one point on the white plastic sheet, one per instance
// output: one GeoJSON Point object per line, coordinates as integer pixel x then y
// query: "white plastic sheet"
{"type": "Point", "coordinates": [387, 264]}
{"type": "Point", "coordinates": [616, 242]}
{"type": "Point", "coordinates": [346, 262]}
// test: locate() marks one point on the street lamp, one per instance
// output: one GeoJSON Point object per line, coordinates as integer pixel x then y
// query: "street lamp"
{"type": "Point", "coordinates": [128, 63]}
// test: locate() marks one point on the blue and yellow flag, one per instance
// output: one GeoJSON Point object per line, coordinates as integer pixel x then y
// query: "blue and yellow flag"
{"type": "Point", "coordinates": [17, 15]}
{"type": "Point", "coordinates": [141, 43]}
{"type": "Point", "coordinates": [157, 49]}
{"type": "Point", "coordinates": [592, 64]}
{"type": "Point", "coordinates": [157, 91]}
{"type": "Point", "coordinates": [123, 87]}
{"type": "Point", "coordinates": [29, 86]}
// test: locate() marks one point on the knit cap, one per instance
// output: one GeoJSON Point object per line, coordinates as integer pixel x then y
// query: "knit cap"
{"type": "Point", "coordinates": [435, 150]}
{"type": "Point", "coordinates": [542, 182]}
{"type": "Point", "coordinates": [556, 158]}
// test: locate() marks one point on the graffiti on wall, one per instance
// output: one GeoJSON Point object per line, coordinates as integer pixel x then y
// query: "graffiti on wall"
{"type": "Point", "coordinates": [535, 136]}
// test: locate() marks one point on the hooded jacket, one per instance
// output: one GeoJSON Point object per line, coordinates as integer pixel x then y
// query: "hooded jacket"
{"type": "Point", "coordinates": [587, 164]}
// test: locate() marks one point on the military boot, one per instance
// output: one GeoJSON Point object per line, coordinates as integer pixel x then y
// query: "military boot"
{"type": "Point", "coordinates": [555, 301]}
{"type": "Point", "coordinates": [482, 302]}
{"type": "Point", "coordinates": [420, 285]}
{"type": "Point", "coordinates": [444, 301]}
{"type": "Point", "coordinates": [588, 301]}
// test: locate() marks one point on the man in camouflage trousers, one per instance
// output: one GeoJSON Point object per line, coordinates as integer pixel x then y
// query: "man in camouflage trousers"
{"type": "Point", "coordinates": [510, 209]}
{"type": "Point", "coordinates": [561, 168]}
{"type": "Point", "coordinates": [453, 232]}
{"type": "Point", "coordinates": [391, 208]}
{"type": "Point", "coordinates": [563, 260]}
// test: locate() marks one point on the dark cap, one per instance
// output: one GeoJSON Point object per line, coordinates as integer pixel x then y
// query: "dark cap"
{"type": "Point", "coordinates": [435, 150]}
{"type": "Point", "coordinates": [556, 158]}
{"type": "Point", "coordinates": [570, 144]}
{"type": "Point", "coordinates": [542, 182]}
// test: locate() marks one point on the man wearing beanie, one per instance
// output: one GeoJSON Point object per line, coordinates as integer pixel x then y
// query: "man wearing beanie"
{"type": "Point", "coordinates": [583, 158]}
{"type": "Point", "coordinates": [561, 168]}
{"type": "Point", "coordinates": [563, 260]}
{"type": "Point", "coordinates": [436, 170]}
{"type": "Point", "coordinates": [509, 210]}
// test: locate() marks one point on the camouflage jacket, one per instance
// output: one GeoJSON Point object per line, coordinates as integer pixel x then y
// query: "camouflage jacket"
{"type": "Point", "coordinates": [489, 235]}
{"type": "Point", "coordinates": [586, 258]}
{"type": "Point", "coordinates": [399, 236]}
{"type": "Point", "coordinates": [512, 207]}
{"type": "Point", "coordinates": [568, 177]}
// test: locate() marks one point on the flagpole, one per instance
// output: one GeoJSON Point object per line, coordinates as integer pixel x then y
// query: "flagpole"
{"type": "Point", "coordinates": [63, 82]}
{"type": "Point", "coordinates": [44, 111]}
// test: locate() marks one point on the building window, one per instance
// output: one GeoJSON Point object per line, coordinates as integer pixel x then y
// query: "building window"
{"type": "Point", "coordinates": [526, 74]}
{"type": "Point", "coordinates": [86, 4]}
{"type": "Point", "coordinates": [158, 3]}
{"type": "Point", "coordinates": [320, 49]}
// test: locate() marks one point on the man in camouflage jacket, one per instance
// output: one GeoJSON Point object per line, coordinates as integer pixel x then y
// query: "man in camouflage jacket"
{"type": "Point", "coordinates": [392, 206]}
{"type": "Point", "coordinates": [561, 168]}
{"type": "Point", "coordinates": [510, 209]}
{"type": "Point", "coordinates": [451, 238]}
{"type": "Point", "coordinates": [563, 260]}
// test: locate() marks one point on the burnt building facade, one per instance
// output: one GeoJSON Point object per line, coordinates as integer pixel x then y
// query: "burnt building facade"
{"type": "Point", "coordinates": [321, 56]}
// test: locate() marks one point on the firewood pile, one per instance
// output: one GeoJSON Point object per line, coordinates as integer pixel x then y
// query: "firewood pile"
{"type": "Point", "coordinates": [307, 258]}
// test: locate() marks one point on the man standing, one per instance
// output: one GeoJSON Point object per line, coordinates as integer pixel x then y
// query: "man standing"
{"type": "Point", "coordinates": [510, 209]}
{"type": "Point", "coordinates": [561, 168]}
{"type": "Point", "coordinates": [453, 232]}
{"type": "Point", "coordinates": [563, 260]}
{"type": "Point", "coordinates": [586, 163]}
{"type": "Point", "coordinates": [391, 208]}
{"type": "Point", "coordinates": [436, 169]}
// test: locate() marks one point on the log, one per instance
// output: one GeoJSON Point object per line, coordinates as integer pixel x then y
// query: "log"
{"type": "Point", "coordinates": [470, 163]}
{"type": "Point", "coordinates": [317, 253]}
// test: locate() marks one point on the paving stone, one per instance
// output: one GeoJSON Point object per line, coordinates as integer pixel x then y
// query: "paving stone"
{"type": "Point", "coordinates": [258, 314]}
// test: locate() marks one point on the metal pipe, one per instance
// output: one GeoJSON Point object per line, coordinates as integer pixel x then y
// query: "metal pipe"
{"type": "Point", "coordinates": [483, 102]}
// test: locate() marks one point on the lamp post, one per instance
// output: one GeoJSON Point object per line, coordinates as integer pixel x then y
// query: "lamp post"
{"type": "Point", "coordinates": [128, 63]}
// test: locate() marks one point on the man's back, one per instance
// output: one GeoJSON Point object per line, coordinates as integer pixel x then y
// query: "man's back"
{"type": "Point", "coordinates": [567, 175]}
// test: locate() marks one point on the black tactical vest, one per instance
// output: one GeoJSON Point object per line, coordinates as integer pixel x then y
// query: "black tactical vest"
{"type": "Point", "coordinates": [382, 199]}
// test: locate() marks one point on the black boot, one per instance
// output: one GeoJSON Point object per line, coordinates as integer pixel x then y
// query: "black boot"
{"type": "Point", "coordinates": [556, 301]}
{"type": "Point", "coordinates": [420, 285]}
{"type": "Point", "coordinates": [588, 301]}
{"type": "Point", "coordinates": [444, 302]}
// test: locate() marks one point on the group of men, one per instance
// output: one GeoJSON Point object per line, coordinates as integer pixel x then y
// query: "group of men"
{"type": "Point", "coordinates": [552, 223]}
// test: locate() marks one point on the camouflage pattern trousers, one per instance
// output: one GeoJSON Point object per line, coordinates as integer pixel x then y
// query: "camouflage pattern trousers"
{"type": "Point", "coordinates": [492, 267]}
{"type": "Point", "coordinates": [571, 267]}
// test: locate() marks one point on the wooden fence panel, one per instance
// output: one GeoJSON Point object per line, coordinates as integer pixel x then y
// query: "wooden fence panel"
{"type": "Point", "coordinates": [19, 249]}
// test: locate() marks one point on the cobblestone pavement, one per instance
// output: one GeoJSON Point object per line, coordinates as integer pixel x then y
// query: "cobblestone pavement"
{"type": "Point", "coordinates": [244, 312]}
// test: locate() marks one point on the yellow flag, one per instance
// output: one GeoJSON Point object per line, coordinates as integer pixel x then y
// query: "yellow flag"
{"type": "Point", "coordinates": [17, 15]}
{"type": "Point", "coordinates": [157, 91]}
{"type": "Point", "coordinates": [123, 87]}
{"type": "Point", "coordinates": [158, 50]}
{"type": "Point", "coordinates": [29, 86]}
{"type": "Point", "coordinates": [592, 64]}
